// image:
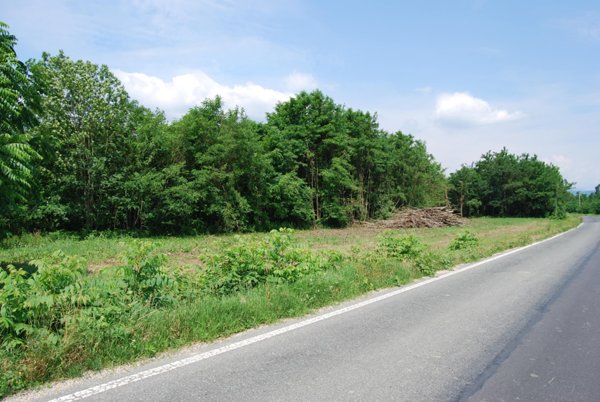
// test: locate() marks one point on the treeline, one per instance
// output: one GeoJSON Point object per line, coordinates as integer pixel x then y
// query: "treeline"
{"type": "Point", "coordinates": [585, 203]}
{"type": "Point", "coordinates": [96, 160]}
{"type": "Point", "coordinates": [503, 184]}
{"type": "Point", "coordinates": [76, 153]}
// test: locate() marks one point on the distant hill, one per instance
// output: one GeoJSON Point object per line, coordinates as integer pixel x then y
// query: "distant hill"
{"type": "Point", "coordinates": [582, 192]}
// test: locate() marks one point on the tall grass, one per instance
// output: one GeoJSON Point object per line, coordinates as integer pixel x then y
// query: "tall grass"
{"type": "Point", "coordinates": [63, 319]}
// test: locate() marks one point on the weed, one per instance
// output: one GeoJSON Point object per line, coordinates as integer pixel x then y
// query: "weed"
{"type": "Point", "coordinates": [144, 276]}
{"type": "Point", "coordinates": [60, 319]}
{"type": "Point", "coordinates": [13, 313]}
{"type": "Point", "coordinates": [403, 247]}
{"type": "Point", "coordinates": [275, 259]}
{"type": "Point", "coordinates": [427, 263]}
{"type": "Point", "coordinates": [465, 240]}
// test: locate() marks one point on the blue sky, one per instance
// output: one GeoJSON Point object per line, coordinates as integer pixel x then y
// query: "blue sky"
{"type": "Point", "coordinates": [466, 76]}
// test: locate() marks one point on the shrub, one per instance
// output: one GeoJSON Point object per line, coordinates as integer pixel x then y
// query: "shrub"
{"type": "Point", "coordinates": [60, 295]}
{"type": "Point", "coordinates": [237, 267]}
{"type": "Point", "coordinates": [427, 263]}
{"type": "Point", "coordinates": [465, 240]}
{"type": "Point", "coordinates": [410, 248]}
{"type": "Point", "coordinates": [276, 258]}
{"type": "Point", "coordinates": [37, 305]}
{"type": "Point", "coordinates": [13, 313]}
{"type": "Point", "coordinates": [403, 247]}
{"type": "Point", "coordinates": [144, 275]}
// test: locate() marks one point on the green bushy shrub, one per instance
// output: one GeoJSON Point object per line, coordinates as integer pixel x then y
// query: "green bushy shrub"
{"type": "Point", "coordinates": [427, 263]}
{"type": "Point", "coordinates": [39, 303]}
{"type": "Point", "coordinates": [464, 241]}
{"type": "Point", "coordinates": [60, 294]}
{"type": "Point", "coordinates": [401, 247]}
{"type": "Point", "coordinates": [410, 248]}
{"type": "Point", "coordinates": [13, 313]}
{"type": "Point", "coordinates": [277, 259]}
{"type": "Point", "coordinates": [144, 275]}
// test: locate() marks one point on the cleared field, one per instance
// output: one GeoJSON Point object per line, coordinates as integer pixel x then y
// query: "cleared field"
{"type": "Point", "coordinates": [106, 249]}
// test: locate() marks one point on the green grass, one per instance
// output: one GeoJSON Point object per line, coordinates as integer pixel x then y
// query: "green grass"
{"type": "Point", "coordinates": [497, 234]}
{"type": "Point", "coordinates": [104, 330]}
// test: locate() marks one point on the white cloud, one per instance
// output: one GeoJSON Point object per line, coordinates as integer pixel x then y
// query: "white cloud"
{"type": "Point", "coordinates": [176, 96]}
{"type": "Point", "coordinates": [296, 82]}
{"type": "Point", "coordinates": [461, 108]}
{"type": "Point", "coordinates": [561, 161]}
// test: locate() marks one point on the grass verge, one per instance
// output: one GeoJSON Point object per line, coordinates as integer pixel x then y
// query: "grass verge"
{"type": "Point", "coordinates": [144, 297]}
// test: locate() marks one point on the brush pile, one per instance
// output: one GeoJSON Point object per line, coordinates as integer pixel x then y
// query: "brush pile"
{"type": "Point", "coordinates": [410, 218]}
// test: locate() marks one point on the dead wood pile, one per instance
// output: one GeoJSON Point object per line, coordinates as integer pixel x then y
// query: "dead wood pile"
{"type": "Point", "coordinates": [420, 218]}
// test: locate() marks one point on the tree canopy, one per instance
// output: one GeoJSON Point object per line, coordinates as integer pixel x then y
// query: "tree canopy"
{"type": "Point", "coordinates": [585, 203]}
{"type": "Point", "coordinates": [504, 184]}
{"type": "Point", "coordinates": [19, 101]}
{"type": "Point", "coordinates": [109, 163]}
{"type": "Point", "coordinates": [76, 153]}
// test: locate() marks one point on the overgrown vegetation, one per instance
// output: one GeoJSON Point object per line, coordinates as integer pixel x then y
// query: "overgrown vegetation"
{"type": "Point", "coordinates": [77, 154]}
{"type": "Point", "coordinates": [585, 203]}
{"type": "Point", "coordinates": [465, 240]}
{"type": "Point", "coordinates": [503, 184]}
{"type": "Point", "coordinates": [65, 318]}
{"type": "Point", "coordinates": [19, 103]}
{"type": "Point", "coordinates": [104, 162]}
{"type": "Point", "coordinates": [86, 173]}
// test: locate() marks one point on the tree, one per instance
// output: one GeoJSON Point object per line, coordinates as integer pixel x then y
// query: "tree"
{"type": "Point", "coordinates": [585, 203]}
{"type": "Point", "coordinates": [109, 163]}
{"type": "Point", "coordinates": [414, 176]}
{"type": "Point", "coordinates": [305, 134]}
{"type": "Point", "coordinates": [85, 136]}
{"type": "Point", "coordinates": [353, 169]}
{"type": "Point", "coordinates": [19, 105]}
{"type": "Point", "coordinates": [366, 157]}
{"type": "Point", "coordinates": [503, 184]}
{"type": "Point", "coordinates": [290, 202]}
{"type": "Point", "coordinates": [465, 188]}
{"type": "Point", "coordinates": [227, 168]}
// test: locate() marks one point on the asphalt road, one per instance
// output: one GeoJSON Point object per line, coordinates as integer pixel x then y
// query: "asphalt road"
{"type": "Point", "coordinates": [522, 327]}
{"type": "Point", "coordinates": [557, 356]}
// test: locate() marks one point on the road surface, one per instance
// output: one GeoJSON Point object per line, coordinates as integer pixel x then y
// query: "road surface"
{"type": "Point", "coordinates": [525, 326]}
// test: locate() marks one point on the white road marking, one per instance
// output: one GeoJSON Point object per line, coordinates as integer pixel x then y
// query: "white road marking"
{"type": "Point", "coordinates": [258, 338]}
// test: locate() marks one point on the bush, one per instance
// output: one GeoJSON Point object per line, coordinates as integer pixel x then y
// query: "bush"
{"type": "Point", "coordinates": [291, 201]}
{"type": "Point", "coordinates": [144, 275]}
{"type": "Point", "coordinates": [410, 248]}
{"type": "Point", "coordinates": [13, 312]}
{"type": "Point", "coordinates": [38, 305]}
{"type": "Point", "coordinates": [465, 240]}
{"type": "Point", "coordinates": [403, 247]}
{"type": "Point", "coordinates": [427, 263]}
{"type": "Point", "coordinates": [276, 258]}
{"type": "Point", "coordinates": [61, 294]}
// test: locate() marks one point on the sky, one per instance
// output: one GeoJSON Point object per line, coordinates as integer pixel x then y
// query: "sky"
{"type": "Point", "coordinates": [465, 76]}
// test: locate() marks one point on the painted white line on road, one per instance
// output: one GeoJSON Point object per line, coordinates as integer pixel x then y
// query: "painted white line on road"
{"type": "Point", "coordinates": [258, 338]}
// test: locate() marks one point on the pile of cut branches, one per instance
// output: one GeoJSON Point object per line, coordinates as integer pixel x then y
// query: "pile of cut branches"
{"type": "Point", "coordinates": [420, 218]}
